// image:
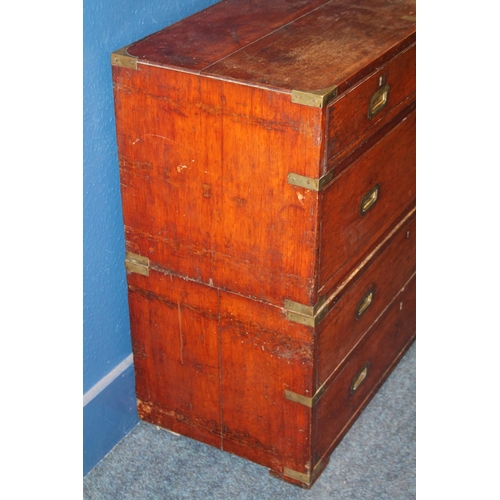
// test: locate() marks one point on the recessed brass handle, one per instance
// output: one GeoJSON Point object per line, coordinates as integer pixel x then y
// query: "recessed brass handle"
{"type": "Point", "coordinates": [359, 378]}
{"type": "Point", "coordinates": [378, 101]}
{"type": "Point", "coordinates": [369, 199]}
{"type": "Point", "coordinates": [364, 303]}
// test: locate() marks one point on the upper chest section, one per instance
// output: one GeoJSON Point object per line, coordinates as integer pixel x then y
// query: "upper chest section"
{"type": "Point", "coordinates": [285, 45]}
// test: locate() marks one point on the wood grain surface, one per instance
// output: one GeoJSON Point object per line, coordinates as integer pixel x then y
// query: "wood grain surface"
{"type": "Point", "coordinates": [348, 117]}
{"type": "Point", "coordinates": [203, 39]}
{"type": "Point", "coordinates": [204, 181]}
{"type": "Point", "coordinates": [346, 233]}
{"type": "Point", "coordinates": [175, 342]}
{"type": "Point", "coordinates": [336, 44]}
{"type": "Point", "coordinates": [380, 350]}
{"type": "Point", "coordinates": [342, 328]}
{"type": "Point", "coordinates": [285, 44]}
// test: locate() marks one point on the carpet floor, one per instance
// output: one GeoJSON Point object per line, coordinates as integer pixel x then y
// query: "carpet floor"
{"type": "Point", "coordinates": [376, 460]}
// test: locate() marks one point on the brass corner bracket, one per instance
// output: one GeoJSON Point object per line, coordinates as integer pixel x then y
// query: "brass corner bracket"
{"type": "Point", "coordinates": [305, 477]}
{"type": "Point", "coordinates": [310, 182]}
{"type": "Point", "coordinates": [122, 58]}
{"type": "Point", "coordinates": [304, 400]}
{"type": "Point", "coordinates": [135, 263]}
{"type": "Point", "coordinates": [306, 315]}
{"type": "Point", "coordinates": [315, 98]}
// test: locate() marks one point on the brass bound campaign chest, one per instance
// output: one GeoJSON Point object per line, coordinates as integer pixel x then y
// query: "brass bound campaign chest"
{"type": "Point", "coordinates": [267, 166]}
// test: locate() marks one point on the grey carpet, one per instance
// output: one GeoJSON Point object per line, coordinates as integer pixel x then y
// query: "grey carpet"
{"type": "Point", "coordinates": [375, 461]}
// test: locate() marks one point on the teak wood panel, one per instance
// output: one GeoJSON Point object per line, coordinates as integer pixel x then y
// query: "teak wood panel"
{"type": "Point", "coordinates": [342, 328]}
{"type": "Point", "coordinates": [379, 351]}
{"type": "Point", "coordinates": [204, 181]}
{"type": "Point", "coordinates": [204, 38]}
{"type": "Point", "coordinates": [175, 341]}
{"type": "Point", "coordinates": [336, 44]}
{"type": "Point", "coordinates": [346, 233]}
{"type": "Point", "coordinates": [214, 366]}
{"type": "Point", "coordinates": [284, 44]}
{"type": "Point", "coordinates": [263, 355]}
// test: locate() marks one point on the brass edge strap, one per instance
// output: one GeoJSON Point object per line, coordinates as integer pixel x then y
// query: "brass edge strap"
{"type": "Point", "coordinates": [315, 98]}
{"type": "Point", "coordinates": [299, 476]}
{"type": "Point", "coordinates": [121, 57]}
{"type": "Point", "coordinates": [304, 400]}
{"type": "Point", "coordinates": [135, 263]}
{"type": "Point", "coordinates": [298, 398]}
{"type": "Point", "coordinates": [310, 182]}
{"type": "Point", "coordinates": [304, 477]}
{"type": "Point", "coordinates": [306, 315]}
{"type": "Point", "coordinates": [299, 318]}
{"type": "Point", "coordinates": [299, 308]}
{"type": "Point", "coordinates": [307, 320]}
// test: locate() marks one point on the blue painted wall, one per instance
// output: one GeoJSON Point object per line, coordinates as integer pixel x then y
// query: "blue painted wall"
{"type": "Point", "coordinates": [108, 26]}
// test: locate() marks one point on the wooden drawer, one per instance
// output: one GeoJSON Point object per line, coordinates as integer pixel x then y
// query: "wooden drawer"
{"type": "Point", "coordinates": [366, 370]}
{"type": "Point", "coordinates": [366, 297]}
{"type": "Point", "coordinates": [370, 103]}
{"type": "Point", "coordinates": [365, 201]}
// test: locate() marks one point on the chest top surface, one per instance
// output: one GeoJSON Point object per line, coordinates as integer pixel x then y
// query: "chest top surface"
{"type": "Point", "coordinates": [284, 44]}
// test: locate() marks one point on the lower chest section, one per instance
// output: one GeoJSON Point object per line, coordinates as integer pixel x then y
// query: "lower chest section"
{"type": "Point", "coordinates": [250, 378]}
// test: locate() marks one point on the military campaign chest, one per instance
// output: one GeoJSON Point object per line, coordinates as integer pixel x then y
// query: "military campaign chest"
{"type": "Point", "coordinates": [267, 166]}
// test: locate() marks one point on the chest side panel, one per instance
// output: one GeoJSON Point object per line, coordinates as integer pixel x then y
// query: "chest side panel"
{"type": "Point", "coordinates": [262, 356]}
{"type": "Point", "coordinates": [204, 167]}
{"type": "Point", "coordinates": [174, 327]}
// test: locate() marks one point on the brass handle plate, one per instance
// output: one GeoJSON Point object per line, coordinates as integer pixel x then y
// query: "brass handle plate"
{"type": "Point", "coordinates": [365, 303]}
{"type": "Point", "coordinates": [359, 378]}
{"type": "Point", "coordinates": [369, 199]}
{"type": "Point", "coordinates": [378, 101]}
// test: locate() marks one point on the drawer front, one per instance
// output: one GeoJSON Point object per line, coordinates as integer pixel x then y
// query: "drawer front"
{"type": "Point", "coordinates": [365, 299]}
{"type": "Point", "coordinates": [363, 107]}
{"type": "Point", "coordinates": [365, 201]}
{"type": "Point", "coordinates": [367, 368]}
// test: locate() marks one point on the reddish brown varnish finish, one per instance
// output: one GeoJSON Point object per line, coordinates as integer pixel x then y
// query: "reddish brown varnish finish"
{"type": "Point", "coordinates": [381, 349]}
{"type": "Point", "coordinates": [204, 193]}
{"type": "Point", "coordinates": [214, 33]}
{"type": "Point", "coordinates": [285, 44]}
{"type": "Point", "coordinates": [217, 213]}
{"type": "Point", "coordinates": [207, 136]}
{"type": "Point", "coordinates": [323, 48]}
{"type": "Point", "coordinates": [346, 233]}
{"type": "Point", "coordinates": [342, 328]}
{"type": "Point", "coordinates": [346, 124]}
{"type": "Point", "coordinates": [214, 365]}
{"type": "Point", "coordinates": [262, 355]}
{"type": "Point", "coordinates": [175, 338]}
